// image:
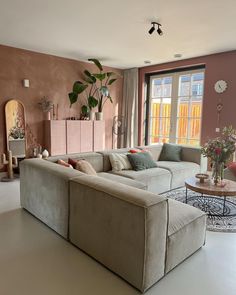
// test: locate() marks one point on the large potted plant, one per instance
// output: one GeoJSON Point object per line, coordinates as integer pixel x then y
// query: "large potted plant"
{"type": "Point", "coordinates": [95, 86]}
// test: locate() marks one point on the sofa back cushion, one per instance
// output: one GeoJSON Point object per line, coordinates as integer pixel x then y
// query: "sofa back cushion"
{"type": "Point", "coordinates": [85, 167]}
{"type": "Point", "coordinates": [141, 161]}
{"type": "Point", "coordinates": [106, 160]}
{"type": "Point", "coordinates": [171, 152]}
{"type": "Point", "coordinates": [155, 150]}
{"type": "Point", "coordinates": [95, 159]}
{"type": "Point", "coordinates": [119, 162]}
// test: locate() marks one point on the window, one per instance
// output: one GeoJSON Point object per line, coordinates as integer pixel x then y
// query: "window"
{"type": "Point", "coordinates": [175, 107]}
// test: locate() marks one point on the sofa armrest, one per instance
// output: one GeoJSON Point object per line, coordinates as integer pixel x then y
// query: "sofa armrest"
{"type": "Point", "coordinates": [44, 192]}
{"type": "Point", "coordinates": [193, 154]}
{"type": "Point", "coordinates": [122, 227]}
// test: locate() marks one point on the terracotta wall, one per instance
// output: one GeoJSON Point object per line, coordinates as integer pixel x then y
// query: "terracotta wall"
{"type": "Point", "coordinates": [217, 67]}
{"type": "Point", "coordinates": [49, 76]}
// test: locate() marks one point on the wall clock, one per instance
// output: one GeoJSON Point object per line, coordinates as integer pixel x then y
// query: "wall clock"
{"type": "Point", "coordinates": [220, 86]}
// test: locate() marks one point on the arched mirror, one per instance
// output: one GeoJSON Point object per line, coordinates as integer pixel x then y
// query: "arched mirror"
{"type": "Point", "coordinates": [15, 128]}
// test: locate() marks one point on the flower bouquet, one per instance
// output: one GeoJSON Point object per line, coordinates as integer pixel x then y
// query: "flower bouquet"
{"type": "Point", "coordinates": [219, 151]}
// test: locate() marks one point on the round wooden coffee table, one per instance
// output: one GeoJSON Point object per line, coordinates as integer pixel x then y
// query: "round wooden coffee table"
{"type": "Point", "coordinates": [210, 192]}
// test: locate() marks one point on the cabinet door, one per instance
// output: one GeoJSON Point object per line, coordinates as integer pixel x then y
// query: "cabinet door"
{"type": "Point", "coordinates": [73, 134]}
{"type": "Point", "coordinates": [98, 135]}
{"type": "Point", "coordinates": [57, 137]}
{"type": "Point", "coordinates": [86, 136]}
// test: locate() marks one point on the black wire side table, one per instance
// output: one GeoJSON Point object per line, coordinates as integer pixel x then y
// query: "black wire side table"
{"type": "Point", "coordinates": [212, 199]}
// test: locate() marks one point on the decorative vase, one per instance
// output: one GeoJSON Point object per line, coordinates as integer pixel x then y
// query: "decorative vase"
{"type": "Point", "coordinates": [47, 115]}
{"type": "Point", "coordinates": [99, 116]}
{"type": "Point", "coordinates": [91, 116]}
{"type": "Point", "coordinates": [217, 172]}
{"type": "Point", "coordinates": [45, 154]}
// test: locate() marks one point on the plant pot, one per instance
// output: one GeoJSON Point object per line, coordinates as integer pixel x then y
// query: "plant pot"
{"type": "Point", "coordinates": [91, 116]}
{"type": "Point", "coordinates": [99, 116]}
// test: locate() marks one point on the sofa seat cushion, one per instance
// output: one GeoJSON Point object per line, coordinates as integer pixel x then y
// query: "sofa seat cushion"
{"type": "Point", "coordinates": [124, 180]}
{"type": "Point", "coordinates": [157, 180]}
{"type": "Point", "coordinates": [186, 232]}
{"type": "Point", "coordinates": [179, 171]}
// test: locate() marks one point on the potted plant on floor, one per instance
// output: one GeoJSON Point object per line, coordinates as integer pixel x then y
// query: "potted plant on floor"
{"type": "Point", "coordinates": [96, 88]}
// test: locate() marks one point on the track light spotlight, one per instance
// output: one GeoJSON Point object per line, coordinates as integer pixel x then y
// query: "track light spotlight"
{"type": "Point", "coordinates": [159, 30]}
{"type": "Point", "coordinates": [151, 30]}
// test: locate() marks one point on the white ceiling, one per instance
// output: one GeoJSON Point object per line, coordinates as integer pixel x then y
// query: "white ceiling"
{"type": "Point", "coordinates": [116, 32]}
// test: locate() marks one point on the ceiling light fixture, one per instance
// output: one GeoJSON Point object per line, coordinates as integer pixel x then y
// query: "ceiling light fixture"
{"type": "Point", "coordinates": [159, 30]}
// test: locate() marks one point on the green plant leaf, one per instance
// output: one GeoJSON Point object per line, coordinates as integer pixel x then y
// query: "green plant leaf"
{"type": "Point", "coordinates": [111, 81]}
{"type": "Point", "coordinates": [110, 98]}
{"type": "Point", "coordinates": [104, 91]}
{"type": "Point", "coordinates": [84, 110]}
{"type": "Point", "coordinates": [79, 87]}
{"type": "Point", "coordinates": [73, 97]}
{"type": "Point", "coordinates": [92, 102]}
{"type": "Point", "coordinates": [97, 63]}
{"type": "Point", "coordinates": [100, 76]}
{"type": "Point", "coordinates": [109, 74]}
{"type": "Point", "coordinates": [89, 78]}
{"type": "Point", "coordinates": [87, 73]}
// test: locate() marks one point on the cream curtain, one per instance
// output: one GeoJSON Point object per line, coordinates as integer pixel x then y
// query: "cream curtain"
{"type": "Point", "coordinates": [130, 108]}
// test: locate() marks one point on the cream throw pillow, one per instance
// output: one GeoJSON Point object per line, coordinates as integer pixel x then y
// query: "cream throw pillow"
{"type": "Point", "coordinates": [119, 162]}
{"type": "Point", "coordinates": [85, 167]}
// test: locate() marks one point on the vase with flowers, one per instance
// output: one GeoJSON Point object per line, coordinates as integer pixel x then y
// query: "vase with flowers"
{"type": "Point", "coordinates": [219, 151]}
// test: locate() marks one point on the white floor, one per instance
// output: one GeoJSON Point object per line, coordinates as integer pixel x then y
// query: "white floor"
{"type": "Point", "coordinates": [34, 260]}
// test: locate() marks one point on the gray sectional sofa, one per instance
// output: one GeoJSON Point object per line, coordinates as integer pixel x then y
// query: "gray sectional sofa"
{"type": "Point", "coordinates": [119, 218]}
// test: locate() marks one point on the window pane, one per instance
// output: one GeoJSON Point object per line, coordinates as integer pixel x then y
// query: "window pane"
{"type": "Point", "coordinates": [155, 125]}
{"type": "Point", "coordinates": [196, 108]}
{"type": "Point", "coordinates": [166, 107]}
{"type": "Point", "coordinates": [194, 142]}
{"type": "Point", "coordinates": [197, 84]}
{"type": "Point", "coordinates": [156, 88]}
{"type": "Point", "coordinates": [156, 103]}
{"type": "Point", "coordinates": [165, 140]}
{"type": "Point", "coordinates": [182, 130]}
{"type": "Point", "coordinates": [166, 88]}
{"type": "Point", "coordinates": [194, 132]}
{"type": "Point", "coordinates": [154, 140]}
{"type": "Point", "coordinates": [165, 127]}
{"type": "Point", "coordinates": [184, 85]}
{"type": "Point", "coordinates": [183, 107]}
{"type": "Point", "coordinates": [181, 141]}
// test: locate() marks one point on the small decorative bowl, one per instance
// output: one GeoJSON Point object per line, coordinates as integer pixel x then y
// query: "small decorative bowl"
{"type": "Point", "coordinates": [202, 177]}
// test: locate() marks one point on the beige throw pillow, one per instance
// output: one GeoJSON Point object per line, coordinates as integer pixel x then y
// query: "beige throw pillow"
{"type": "Point", "coordinates": [119, 162]}
{"type": "Point", "coordinates": [85, 167]}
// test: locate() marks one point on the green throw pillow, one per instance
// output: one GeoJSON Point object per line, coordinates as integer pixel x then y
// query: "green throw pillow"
{"type": "Point", "coordinates": [171, 152]}
{"type": "Point", "coordinates": [141, 161]}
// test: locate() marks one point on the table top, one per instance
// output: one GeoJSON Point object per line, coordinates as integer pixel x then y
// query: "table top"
{"type": "Point", "coordinates": [209, 188]}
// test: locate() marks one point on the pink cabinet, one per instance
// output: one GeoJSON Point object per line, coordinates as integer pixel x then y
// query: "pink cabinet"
{"type": "Point", "coordinates": [74, 136]}
{"type": "Point", "coordinates": [98, 135]}
{"type": "Point", "coordinates": [55, 137]}
{"type": "Point", "coordinates": [86, 136]}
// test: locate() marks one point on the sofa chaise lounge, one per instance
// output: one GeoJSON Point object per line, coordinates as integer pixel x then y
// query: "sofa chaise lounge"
{"type": "Point", "coordinates": [119, 218]}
